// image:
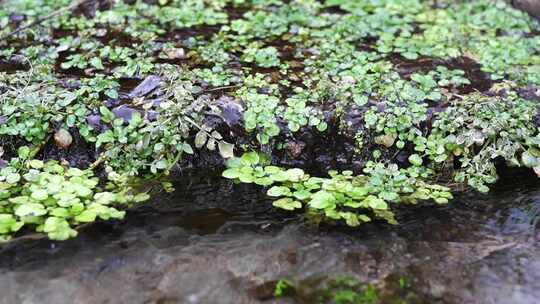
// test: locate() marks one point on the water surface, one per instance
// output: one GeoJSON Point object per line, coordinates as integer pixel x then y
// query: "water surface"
{"type": "Point", "coordinates": [215, 242]}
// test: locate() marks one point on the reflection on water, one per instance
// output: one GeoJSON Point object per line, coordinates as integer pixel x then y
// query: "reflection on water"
{"type": "Point", "coordinates": [213, 242]}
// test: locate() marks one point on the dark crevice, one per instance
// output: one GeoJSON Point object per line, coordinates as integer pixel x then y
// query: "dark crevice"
{"type": "Point", "coordinates": [480, 81]}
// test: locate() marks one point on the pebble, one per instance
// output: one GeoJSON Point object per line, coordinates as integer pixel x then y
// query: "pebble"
{"type": "Point", "coordinates": [63, 138]}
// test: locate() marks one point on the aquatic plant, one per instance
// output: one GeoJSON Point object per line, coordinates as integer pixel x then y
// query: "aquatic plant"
{"type": "Point", "coordinates": [424, 92]}
{"type": "Point", "coordinates": [54, 199]}
{"type": "Point", "coordinates": [339, 290]}
{"type": "Point", "coordinates": [342, 196]}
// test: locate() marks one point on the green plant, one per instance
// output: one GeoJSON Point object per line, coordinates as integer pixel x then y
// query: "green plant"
{"type": "Point", "coordinates": [339, 290]}
{"type": "Point", "coordinates": [353, 199]}
{"type": "Point", "coordinates": [53, 199]}
{"type": "Point", "coordinates": [261, 115]}
{"type": "Point", "coordinates": [478, 129]}
{"type": "Point", "coordinates": [448, 77]}
{"type": "Point", "coordinates": [263, 57]}
{"type": "Point", "coordinates": [291, 65]}
{"type": "Point", "coordinates": [282, 286]}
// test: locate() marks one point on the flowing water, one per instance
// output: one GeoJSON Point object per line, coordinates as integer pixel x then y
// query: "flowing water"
{"type": "Point", "coordinates": [214, 242]}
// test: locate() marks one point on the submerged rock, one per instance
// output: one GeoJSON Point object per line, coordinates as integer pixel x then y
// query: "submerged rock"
{"type": "Point", "coordinates": [481, 250]}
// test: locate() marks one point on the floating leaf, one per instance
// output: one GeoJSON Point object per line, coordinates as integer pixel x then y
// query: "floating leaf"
{"type": "Point", "coordinates": [350, 218]}
{"type": "Point", "coordinates": [30, 209]}
{"type": "Point", "coordinates": [272, 169]}
{"type": "Point", "coordinates": [250, 158]}
{"type": "Point", "coordinates": [86, 216]}
{"type": "Point", "coordinates": [295, 174]}
{"type": "Point", "coordinates": [39, 195]}
{"type": "Point", "coordinates": [322, 200]}
{"type": "Point", "coordinates": [231, 173]}
{"type": "Point", "coordinates": [246, 178]}
{"type": "Point", "coordinates": [287, 203]}
{"type": "Point", "coordinates": [264, 181]}
{"type": "Point", "coordinates": [302, 194]}
{"type": "Point", "coordinates": [376, 203]}
{"type": "Point", "coordinates": [278, 191]}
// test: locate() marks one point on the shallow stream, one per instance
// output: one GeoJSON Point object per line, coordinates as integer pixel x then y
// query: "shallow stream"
{"type": "Point", "coordinates": [214, 242]}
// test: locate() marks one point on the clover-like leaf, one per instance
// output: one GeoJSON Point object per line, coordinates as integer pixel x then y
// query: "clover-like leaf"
{"type": "Point", "coordinates": [30, 209]}
{"type": "Point", "coordinates": [415, 160]}
{"type": "Point", "coordinates": [250, 158]}
{"type": "Point", "coordinates": [277, 191]}
{"type": "Point", "coordinates": [287, 203]}
{"type": "Point", "coordinates": [322, 200]}
{"type": "Point", "coordinates": [376, 203]}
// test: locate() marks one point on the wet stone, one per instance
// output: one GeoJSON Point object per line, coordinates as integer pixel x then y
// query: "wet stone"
{"type": "Point", "coordinates": [232, 111]}
{"type": "Point", "coordinates": [124, 112]}
{"type": "Point", "coordinates": [63, 138]}
{"type": "Point", "coordinates": [94, 121]}
{"type": "Point", "coordinates": [149, 84]}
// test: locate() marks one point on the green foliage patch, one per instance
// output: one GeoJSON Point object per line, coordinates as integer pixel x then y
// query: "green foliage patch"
{"type": "Point", "coordinates": [425, 90]}
{"type": "Point", "coordinates": [342, 196]}
{"type": "Point", "coordinates": [53, 199]}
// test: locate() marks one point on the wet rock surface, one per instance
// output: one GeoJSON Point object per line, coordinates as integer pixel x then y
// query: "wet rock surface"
{"type": "Point", "coordinates": [530, 6]}
{"type": "Point", "coordinates": [213, 242]}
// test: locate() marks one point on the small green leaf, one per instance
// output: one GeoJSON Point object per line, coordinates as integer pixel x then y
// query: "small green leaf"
{"type": "Point", "coordinates": [415, 160]}
{"type": "Point", "coordinates": [200, 139]}
{"type": "Point", "coordinates": [13, 178]}
{"type": "Point", "coordinates": [86, 216]}
{"type": "Point", "coordinates": [246, 178]}
{"type": "Point", "coordinates": [36, 164]}
{"type": "Point", "coordinates": [264, 181]}
{"type": "Point", "coordinates": [23, 152]}
{"type": "Point", "coordinates": [376, 203]}
{"type": "Point", "coordinates": [295, 174]}
{"type": "Point", "coordinates": [30, 209]}
{"type": "Point", "coordinates": [287, 203]}
{"type": "Point", "coordinates": [441, 200]}
{"type": "Point", "coordinates": [358, 192]}
{"type": "Point", "coordinates": [231, 173]}
{"type": "Point", "coordinates": [75, 172]}
{"type": "Point", "coordinates": [322, 200]}
{"type": "Point", "coordinates": [250, 158]}
{"type": "Point", "coordinates": [350, 218]}
{"type": "Point", "coordinates": [39, 195]}
{"type": "Point", "coordinates": [104, 198]}
{"type": "Point", "coordinates": [389, 196]}
{"type": "Point", "coordinates": [278, 191]}
{"type": "Point", "coordinates": [302, 194]}
{"type": "Point", "coordinates": [233, 162]}
{"type": "Point", "coordinates": [187, 148]}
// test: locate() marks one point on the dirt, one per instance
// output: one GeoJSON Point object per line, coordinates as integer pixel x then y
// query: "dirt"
{"type": "Point", "coordinates": [480, 81]}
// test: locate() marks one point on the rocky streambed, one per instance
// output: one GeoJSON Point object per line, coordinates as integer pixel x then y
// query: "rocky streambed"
{"type": "Point", "coordinates": [214, 242]}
